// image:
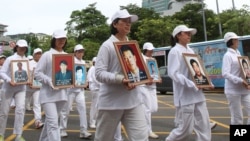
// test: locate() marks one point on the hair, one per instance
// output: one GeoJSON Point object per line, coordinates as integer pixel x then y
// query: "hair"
{"type": "Point", "coordinates": [229, 43]}
{"type": "Point", "coordinates": [193, 61]}
{"type": "Point", "coordinates": [53, 42]}
{"type": "Point", "coordinates": [113, 30]}
{"type": "Point", "coordinates": [144, 51]}
{"type": "Point", "coordinates": [15, 49]}
{"type": "Point", "coordinates": [63, 62]}
{"type": "Point", "coordinates": [19, 63]}
{"type": "Point", "coordinates": [79, 68]}
{"type": "Point", "coordinates": [174, 40]}
{"type": "Point", "coordinates": [126, 48]}
{"type": "Point", "coordinates": [244, 61]}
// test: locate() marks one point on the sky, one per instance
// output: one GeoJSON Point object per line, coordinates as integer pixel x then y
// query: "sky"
{"type": "Point", "coordinates": [45, 16]}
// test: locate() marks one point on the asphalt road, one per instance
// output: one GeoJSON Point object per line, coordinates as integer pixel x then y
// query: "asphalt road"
{"type": "Point", "coordinates": [162, 121]}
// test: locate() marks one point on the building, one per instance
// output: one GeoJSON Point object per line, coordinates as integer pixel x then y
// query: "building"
{"type": "Point", "coordinates": [167, 7]}
{"type": "Point", "coordinates": [4, 40]}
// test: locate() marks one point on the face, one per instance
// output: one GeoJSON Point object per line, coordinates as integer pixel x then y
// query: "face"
{"type": "Point", "coordinates": [2, 61]}
{"type": "Point", "coordinates": [149, 53]}
{"type": "Point", "coordinates": [21, 50]}
{"type": "Point", "coordinates": [130, 60]}
{"type": "Point", "coordinates": [123, 25]}
{"type": "Point", "coordinates": [235, 43]}
{"type": "Point", "coordinates": [19, 65]}
{"type": "Point", "coordinates": [196, 68]}
{"type": "Point", "coordinates": [246, 69]}
{"type": "Point", "coordinates": [60, 42]}
{"type": "Point", "coordinates": [79, 73]}
{"type": "Point", "coordinates": [63, 67]}
{"type": "Point", "coordinates": [37, 56]}
{"type": "Point", "coordinates": [184, 37]}
{"type": "Point", "coordinates": [79, 54]}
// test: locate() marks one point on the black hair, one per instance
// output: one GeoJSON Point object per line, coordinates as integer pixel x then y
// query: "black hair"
{"type": "Point", "coordinates": [79, 68]}
{"type": "Point", "coordinates": [53, 42]}
{"type": "Point", "coordinates": [244, 61]}
{"type": "Point", "coordinates": [113, 30]}
{"type": "Point", "coordinates": [193, 61]}
{"type": "Point", "coordinates": [19, 63]}
{"type": "Point", "coordinates": [174, 40]}
{"type": "Point", "coordinates": [126, 48]}
{"type": "Point", "coordinates": [229, 43]}
{"type": "Point", "coordinates": [151, 64]}
{"type": "Point", "coordinates": [15, 49]}
{"type": "Point", "coordinates": [144, 51]}
{"type": "Point", "coordinates": [64, 62]}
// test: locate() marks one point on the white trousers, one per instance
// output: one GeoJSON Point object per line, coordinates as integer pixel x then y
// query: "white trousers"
{"type": "Point", "coordinates": [133, 120]}
{"type": "Point", "coordinates": [93, 108]}
{"type": "Point", "coordinates": [19, 98]}
{"type": "Point", "coordinates": [79, 98]}
{"type": "Point", "coordinates": [51, 131]}
{"type": "Point", "coordinates": [235, 105]}
{"type": "Point", "coordinates": [36, 103]}
{"type": "Point", "coordinates": [193, 117]}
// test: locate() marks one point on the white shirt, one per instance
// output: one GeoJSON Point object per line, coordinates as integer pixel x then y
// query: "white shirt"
{"type": "Point", "coordinates": [32, 66]}
{"type": "Point", "coordinates": [231, 71]}
{"type": "Point", "coordinates": [113, 94]}
{"type": "Point", "coordinates": [185, 91]}
{"type": "Point", "coordinates": [43, 73]}
{"type": "Point", "coordinates": [93, 83]}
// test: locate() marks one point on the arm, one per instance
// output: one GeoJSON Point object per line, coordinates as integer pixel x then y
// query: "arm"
{"type": "Point", "coordinates": [4, 70]}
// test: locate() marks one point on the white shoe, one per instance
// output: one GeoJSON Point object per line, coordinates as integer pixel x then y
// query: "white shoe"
{"type": "Point", "coordinates": [28, 108]}
{"type": "Point", "coordinates": [152, 135]}
{"type": "Point", "coordinates": [85, 135]}
{"type": "Point", "coordinates": [92, 126]}
{"type": "Point", "coordinates": [64, 134]}
{"type": "Point", "coordinates": [212, 125]}
{"type": "Point", "coordinates": [38, 124]}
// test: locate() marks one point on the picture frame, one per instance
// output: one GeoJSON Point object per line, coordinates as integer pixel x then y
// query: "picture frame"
{"type": "Point", "coordinates": [34, 83]}
{"type": "Point", "coordinates": [245, 68]}
{"type": "Point", "coordinates": [20, 72]}
{"type": "Point", "coordinates": [63, 70]}
{"type": "Point", "coordinates": [197, 70]}
{"type": "Point", "coordinates": [136, 71]}
{"type": "Point", "coordinates": [153, 69]}
{"type": "Point", "coordinates": [80, 75]}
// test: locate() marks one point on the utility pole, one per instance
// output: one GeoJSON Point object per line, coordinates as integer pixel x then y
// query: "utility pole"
{"type": "Point", "coordinates": [218, 12]}
{"type": "Point", "coordinates": [204, 21]}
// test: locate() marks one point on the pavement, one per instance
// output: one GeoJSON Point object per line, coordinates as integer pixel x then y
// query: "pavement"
{"type": "Point", "coordinates": [162, 121]}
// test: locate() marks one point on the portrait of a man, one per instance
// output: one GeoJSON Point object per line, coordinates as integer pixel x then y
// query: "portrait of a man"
{"type": "Point", "coordinates": [80, 78]}
{"type": "Point", "coordinates": [246, 69]}
{"type": "Point", "coordinates": [153, 71]}
{"type": "Point", "coordinates": [135, 73]}
{"type": "Point", "coordinates": [20, 74]}
{"type": "Point", "coordinates": [63, 76]}
{"type": "Point", "coordinates": [200, 79]}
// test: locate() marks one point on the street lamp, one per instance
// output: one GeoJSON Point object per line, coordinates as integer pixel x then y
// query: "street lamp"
{"type": "Point", "coordinates": [204, 21]}
{"type": "Point", "coordinates": [218, 12]}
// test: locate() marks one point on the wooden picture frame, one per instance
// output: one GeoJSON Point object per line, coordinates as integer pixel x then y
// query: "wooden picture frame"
{"type": "Point", "coordinates": [245, 68]}
{"type": "Point", "coordinates": [20, 71]}
{"type": "Point", "coordinates": [80, 75]}
{"type": "Point", "coordinates": [63, 70]}
{"type": "Point", "coordinates": [136, 71]}
{"type": "Point", "coordinates": [197, 70]}
{"type": "Point", "coordinates": [153, 69]}
{"type": "Point", "coordinates": [34, 83]}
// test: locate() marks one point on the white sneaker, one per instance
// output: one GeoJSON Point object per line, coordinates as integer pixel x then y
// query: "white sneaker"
{"type": "Point", "coordinates": [152, 135]}
{"type": "Point", "coordinates": [92, 126]}
{"type": "Point", "coordinates": [213, 125]}
{"type": "Point", "coordinates": [64, 134]}
{"type": "Point", "coordinates": [28, 108]}
{"type": "Point", "coordinates": [85, 135]}
{"type": "Point", "coordinates": [38, 124]}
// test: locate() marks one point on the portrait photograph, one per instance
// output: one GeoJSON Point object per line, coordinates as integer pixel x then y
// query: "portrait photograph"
{"type": "Point", "coordinates": [63, 70]}
{"type": "Point", "coordinates": [20, 71]}
{"type": "Point", "coordinates": [245, 68]}
{"type": "Point", "coordinates": [132, 63]}
{"type": "Point", "coordinates": [153, 70]}
{"type": "Point", "coordinates": [80, 75]}
{"type": "Point", "coordinates": [197, 70]}
{"type": "Point", "coordinates": [35, 84]}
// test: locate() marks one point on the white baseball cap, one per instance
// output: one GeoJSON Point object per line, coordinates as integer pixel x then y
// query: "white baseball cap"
{"type": "Point", "coordinates": [183, 28]}
{"type": "Point", "coordinates": [148, 46]}
{"type": "Point", "coordinates": [37, 50]}
{"type": "Point", "coordinates": [22, 43]}
{"type": "Point", "coordinates": [78, 47]}
{"type": "Point", "coordinates": [124, 14]}
{"type": "Point", "coordinates": [59, 34]}
{"type": "Point", "coordinates": [230, 35]}
{"type": "Point", "coordinates": [94, 59]}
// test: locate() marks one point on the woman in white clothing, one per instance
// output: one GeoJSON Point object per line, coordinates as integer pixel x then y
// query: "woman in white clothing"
{"type": "Point", "coordinates": [52, 99]}
{"type": "Point", "coordinates": [236, 89]}
{"type": "Point", "coordinates": [11, 90]}
{"type": "Point", "coordinates": [188, 98]}
{"type": "Point", "coordinates": [117, 101]}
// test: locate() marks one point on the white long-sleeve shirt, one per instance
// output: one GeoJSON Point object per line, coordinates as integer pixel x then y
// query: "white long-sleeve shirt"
{"type": "Point", "coordinates": [32, 65]}
{"type": "Point", "coordinates": [185, 91]}
{"type": "Point", "coordinates": [113, 94]}
{"type": "Point", "coordinates": [93, 83]}
{"type": "Point", "coordinates": [5, 73]}
{"type": "Point", "coordinates": [231, 71]}
{"type": "Point", "coordinates": [43, 73]}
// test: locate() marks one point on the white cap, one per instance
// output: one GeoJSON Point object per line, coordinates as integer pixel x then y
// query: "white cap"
{"type": "Point", "coordinates": [183, 28]}
{"type": "Point", "coordinates": [94, 59]}
{"type": "Point", "coordinates": [230, 35]}
{"type": "Point", "coordinates": [59, 34]}
{"type": "Point", "coordinates": [78, 47]}
{"type": "Point", "coordinates": [30, 57]}
{"type": "Point", "coordinates": [124, 14]}
{"type": "Point", "coordinates": [22, 43]}
{"type": "Point", "coordinates": [148, 46]}
{"type": "Point", "coordinates": [2, 56]}
{"type": "Point", "coordinates": [37, 50]}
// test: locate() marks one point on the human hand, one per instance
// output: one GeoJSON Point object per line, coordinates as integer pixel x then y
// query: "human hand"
{"type": "Point", "coordinates": [52, 86]}
{"type": "Point", "coordinates": [12, 83]}
{"type": "Point", "coordinates": [126, 83]}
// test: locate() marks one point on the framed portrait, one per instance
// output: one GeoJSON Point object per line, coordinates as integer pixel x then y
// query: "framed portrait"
{"type": "Point", "coordinates": [197, 70]}
{"type": "Point", "coordinates": [35, 83]}
{"type": "Point", "coordinates": [245, 68]}
{"type": "Point", "coordinates": [63, 70]}
{"type": "Point", "coordinates": [132, 63]}
{"type": "Point", "coordinates": [20, 71]}
{"type": "Point", "coordinates": [153, 69]}
{"type": "Point", "coordinates": [80, 75]}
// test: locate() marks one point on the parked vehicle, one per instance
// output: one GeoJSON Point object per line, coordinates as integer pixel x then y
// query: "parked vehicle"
{"type": "Point", "coordinates": [166, 85]}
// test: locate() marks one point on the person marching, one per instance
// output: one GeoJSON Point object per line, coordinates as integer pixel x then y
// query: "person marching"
{"type": "Point", "coordinates": [12, 90]}
{"type": "Point", "coordinates": [2, 59]}
{"type": "Point", "coordinates": [236, 88]}
{"type": "Point", "coordinates": [33, 93]}
{"type": "Point", "coordinates": [76, 94]}
{"type": "Point", "coordinates": [188, 99]}
{"type": "Point", "coordinates": [52, 99]}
